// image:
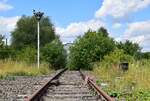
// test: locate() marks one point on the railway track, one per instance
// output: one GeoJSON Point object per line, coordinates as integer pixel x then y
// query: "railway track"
{"type": "Point", "coordinates": [69, 86]}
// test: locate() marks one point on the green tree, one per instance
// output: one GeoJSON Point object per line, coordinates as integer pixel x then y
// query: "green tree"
{"type": "Point", "coordinates": [5, 51]}
{"type": "Point", "coordinates": [90, 48]}
{"type": "Point", "coordinates": [1, 41]}
{"type": "Point", "coordinates": [25, 34]}
{"type": "Point", "coordinates": [130, 48]}
{"type": "Point", "coordinates": [146, 55]}
{"type": "Point", "coordinates": [24, 39]}
{"type": "Point", "coordinates": [103, 31]}
{"type": "Point", "coordinates": [54, 54]}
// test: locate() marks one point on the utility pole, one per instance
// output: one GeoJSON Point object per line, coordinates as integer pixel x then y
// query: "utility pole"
{"type": "Point", "coordinates": [38, 15]}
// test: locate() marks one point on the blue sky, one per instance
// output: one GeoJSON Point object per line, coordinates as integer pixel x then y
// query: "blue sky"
{"type": "Point", "coordinates": [124, 19]}
{"type": "Point", "coordinates": [61, 12]}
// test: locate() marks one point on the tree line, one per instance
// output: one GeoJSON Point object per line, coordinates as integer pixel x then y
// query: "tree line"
{"type": "Point", "coordinates": [97, 46]}
{"type": "Point", "coordinates": [93, 46]}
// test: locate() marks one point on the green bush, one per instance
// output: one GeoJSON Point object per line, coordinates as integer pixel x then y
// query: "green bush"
{"type": "Point", "coordinates": [130, 48]}
{"type": "Point", "coordinates": [54, 54]}
{"type": "Point", "coordinates": [132, 85]}
{"type": "Point", "coordinates": [89, 49]}
{"type": "Point", "coordinates": [145, 55]}
{"type": "Point", "coordinates": [27, 54]}
{"type": "Point", "coordinates": [6, 53]}
{"type": "Point", "coordinates": [1, 41]}
{"type": "Point", "coordinates": [117, 56]}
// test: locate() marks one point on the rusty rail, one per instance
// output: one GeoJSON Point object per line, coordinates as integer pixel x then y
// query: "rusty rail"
{"type": "Point", "coordinates": [96, 88]}
{"type": "Point", "coordinates": [38, 94]}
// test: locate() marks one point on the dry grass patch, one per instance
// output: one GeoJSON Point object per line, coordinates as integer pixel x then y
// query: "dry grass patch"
{"type": "Point", "coordinates": [132, 85]}
{"type": "Point", "coordinates": [14, 68]}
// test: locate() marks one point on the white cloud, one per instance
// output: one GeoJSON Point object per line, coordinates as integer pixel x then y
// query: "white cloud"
{"type": "Point", "coordinates": [116, 25]}
{"type": "Point", "coordinates": [4, 6]}
{"type": "Point", "coordinates": [138, 28]}
{"type": "Point", "coordinates": [78, 28]}
{"type": "Point", "coordinates": [139, 32]}
{"type": "Point", "coordinates": [120, 8]}
{"type": "Point", "coordinates": [7, 24]}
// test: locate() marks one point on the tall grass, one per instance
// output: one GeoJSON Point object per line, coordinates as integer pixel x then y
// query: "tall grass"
{"type": "Point", "coordinates": [14, 68]}
{"type": "Point", "coordinates": [132, 85]}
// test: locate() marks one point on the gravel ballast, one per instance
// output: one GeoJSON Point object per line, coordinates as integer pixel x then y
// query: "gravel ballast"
{"type": "Point", "coordinates": [20, 87]}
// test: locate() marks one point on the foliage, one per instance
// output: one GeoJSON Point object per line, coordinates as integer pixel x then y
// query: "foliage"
{"type": "Point", "coordinates": [24, 41]}
{"type": "Point", "coordinates": [130, 48]}
{"type": "Point", "coordinates": [116, 57]}
{"type": "Point", "coordinates": [90, 48]}
{"type": "Point", "coordinates": [27, 54]}
{"type": "Point", "coordinates": [137, 95]}
{"type": "Point", "coordinates": [54, 54]}
{"type": "Point", "coordinates": [132, 85]}
{"type": "Point", "coordinates": [103, 31]}
{"type": "Point", "coordinates": [1, 41]}
{"type": "Point", "coordinates": [146, 55]}
{"type": "Point", "coordinates": [25, 34]}
{"type": "Point", "coordinates": [6, 53]}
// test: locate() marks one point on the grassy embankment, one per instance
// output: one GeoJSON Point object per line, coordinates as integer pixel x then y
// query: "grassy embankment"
{"type": "Point", "coordinates": [132, 85]}
{"type": "Point", "coordinates": [11, 68]}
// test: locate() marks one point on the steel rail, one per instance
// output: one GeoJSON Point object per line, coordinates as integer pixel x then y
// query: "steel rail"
{"type": "Point", "coordinates": [38, 94]}
{"type": "Point", "coordinates": [96, 88]}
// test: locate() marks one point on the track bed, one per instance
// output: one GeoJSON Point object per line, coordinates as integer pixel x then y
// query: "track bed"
{"type": "Point", "coordinates": [69, 87]}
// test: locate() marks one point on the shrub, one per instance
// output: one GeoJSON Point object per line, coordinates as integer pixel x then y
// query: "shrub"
{"type": "Point", "coordinates": [6, 53]}
{"type": "Point", "coordinates": [27, 54]}
{"type": "Point", "coordinates": [89, 49]}
{"type": "Point", "coordinates": [54, 54]}
{"type": "Point", "coordinates": [132, 85]}
{"type": "Point", "coordinates": [117, 56]}
{"type": "Point", "coordinates": [130, 48]}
